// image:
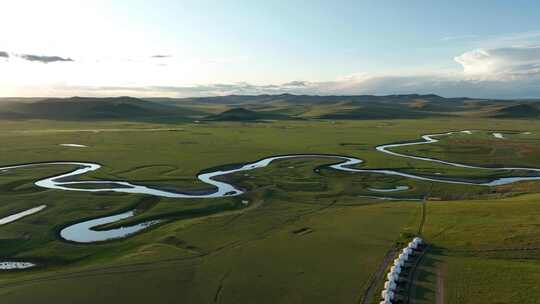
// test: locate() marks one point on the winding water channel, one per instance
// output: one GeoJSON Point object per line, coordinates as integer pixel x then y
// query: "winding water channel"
{"type": "Point", "coordinates": [84, 232]}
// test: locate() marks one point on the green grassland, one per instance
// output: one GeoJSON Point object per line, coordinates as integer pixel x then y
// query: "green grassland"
{"type": "Point", "coordinates": [517, 148]}
{"type": "Point", "coordinates": [305, 237]}
{"type": "Point", "coordinates": [484, 251]}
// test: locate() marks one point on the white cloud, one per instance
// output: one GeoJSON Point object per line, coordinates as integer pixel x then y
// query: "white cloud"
{"type": "Point", "coordinates": [45, 59]}
{"type": "Point", "coordinates": [501, 63]}
{"type": "Point", "coordinates": [509, 72]}
{"type": "Point", "coordinates": [444, 85]}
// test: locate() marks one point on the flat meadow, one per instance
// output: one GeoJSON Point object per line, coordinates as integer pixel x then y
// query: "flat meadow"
{"type": "Point", "coordinates": [302, 232]}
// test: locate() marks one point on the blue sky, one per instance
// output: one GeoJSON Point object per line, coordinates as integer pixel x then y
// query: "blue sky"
{"type": "Point", "coordinates": [453, 48]}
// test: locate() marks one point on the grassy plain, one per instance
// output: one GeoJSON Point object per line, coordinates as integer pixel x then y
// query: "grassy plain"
{"type": "Point", "coordinates": [306, 237]}
{"type": "Point", "coordinates": [483, 251]}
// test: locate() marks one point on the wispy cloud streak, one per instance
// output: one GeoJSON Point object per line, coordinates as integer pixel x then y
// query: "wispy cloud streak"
{"type": "Point", "coordinates": [45, 59]}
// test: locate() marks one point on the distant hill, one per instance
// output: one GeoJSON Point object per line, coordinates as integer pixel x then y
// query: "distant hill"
{"type": "Point", "coordinates": [519, 111]}
{"type": "Point", "coordinates": [241, 114]}
{"type": "Point", "coordinates": [383, 111]}
{"type": "Point", "coordinates": [335, 107]}
{"type": "Point", "coordinates": [264, 107]}
{"type": "Point", "coordinates": [84, 108]}
{"type": "Point", "coordinates": [296, 99]}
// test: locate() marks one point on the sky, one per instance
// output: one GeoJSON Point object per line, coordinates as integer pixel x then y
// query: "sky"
{"type": "Point", "coordinates": [175, 48]}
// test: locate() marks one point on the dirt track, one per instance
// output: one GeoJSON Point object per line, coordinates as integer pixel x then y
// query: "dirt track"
{"type": "Point", "coordinates": [440, 284]}
{"type": "Point", "coordinates": [376, 279]}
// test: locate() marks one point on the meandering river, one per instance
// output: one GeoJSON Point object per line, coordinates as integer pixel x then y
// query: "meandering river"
{"type": "Point", "coordinates": [83, 232]}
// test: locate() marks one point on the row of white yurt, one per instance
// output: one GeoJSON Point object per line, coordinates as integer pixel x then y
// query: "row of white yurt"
{"type": "Point", "coordinates": [390, 286]}
{"type": "Point", "coordinates": [388, 295]}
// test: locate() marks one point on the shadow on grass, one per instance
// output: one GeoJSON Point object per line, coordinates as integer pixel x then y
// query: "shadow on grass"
{"type": "Point", "coordinates": [425, 283]}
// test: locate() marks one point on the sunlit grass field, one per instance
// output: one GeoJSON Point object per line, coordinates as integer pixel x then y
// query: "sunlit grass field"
{"type": "Point", "coordinates": [304, 237]}
{"type": "Point", "coordinates": [484, 251]}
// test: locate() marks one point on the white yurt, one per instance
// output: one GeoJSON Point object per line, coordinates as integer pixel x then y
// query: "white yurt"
{"type": "Point", "coordinates": [388, 295]}
{"type": "Point", "coordinates": [390, 285]}
{"type": "Point", "coordinates": [392, 277]}
{"type": "Point", "coordinates": [407, 251]}
{"type": "Point", "coordinates": [404, 257]}
{"type": "Point", "coordinates": [399, 262]}
{"type": "Point", "coordinates": [412, 245]}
